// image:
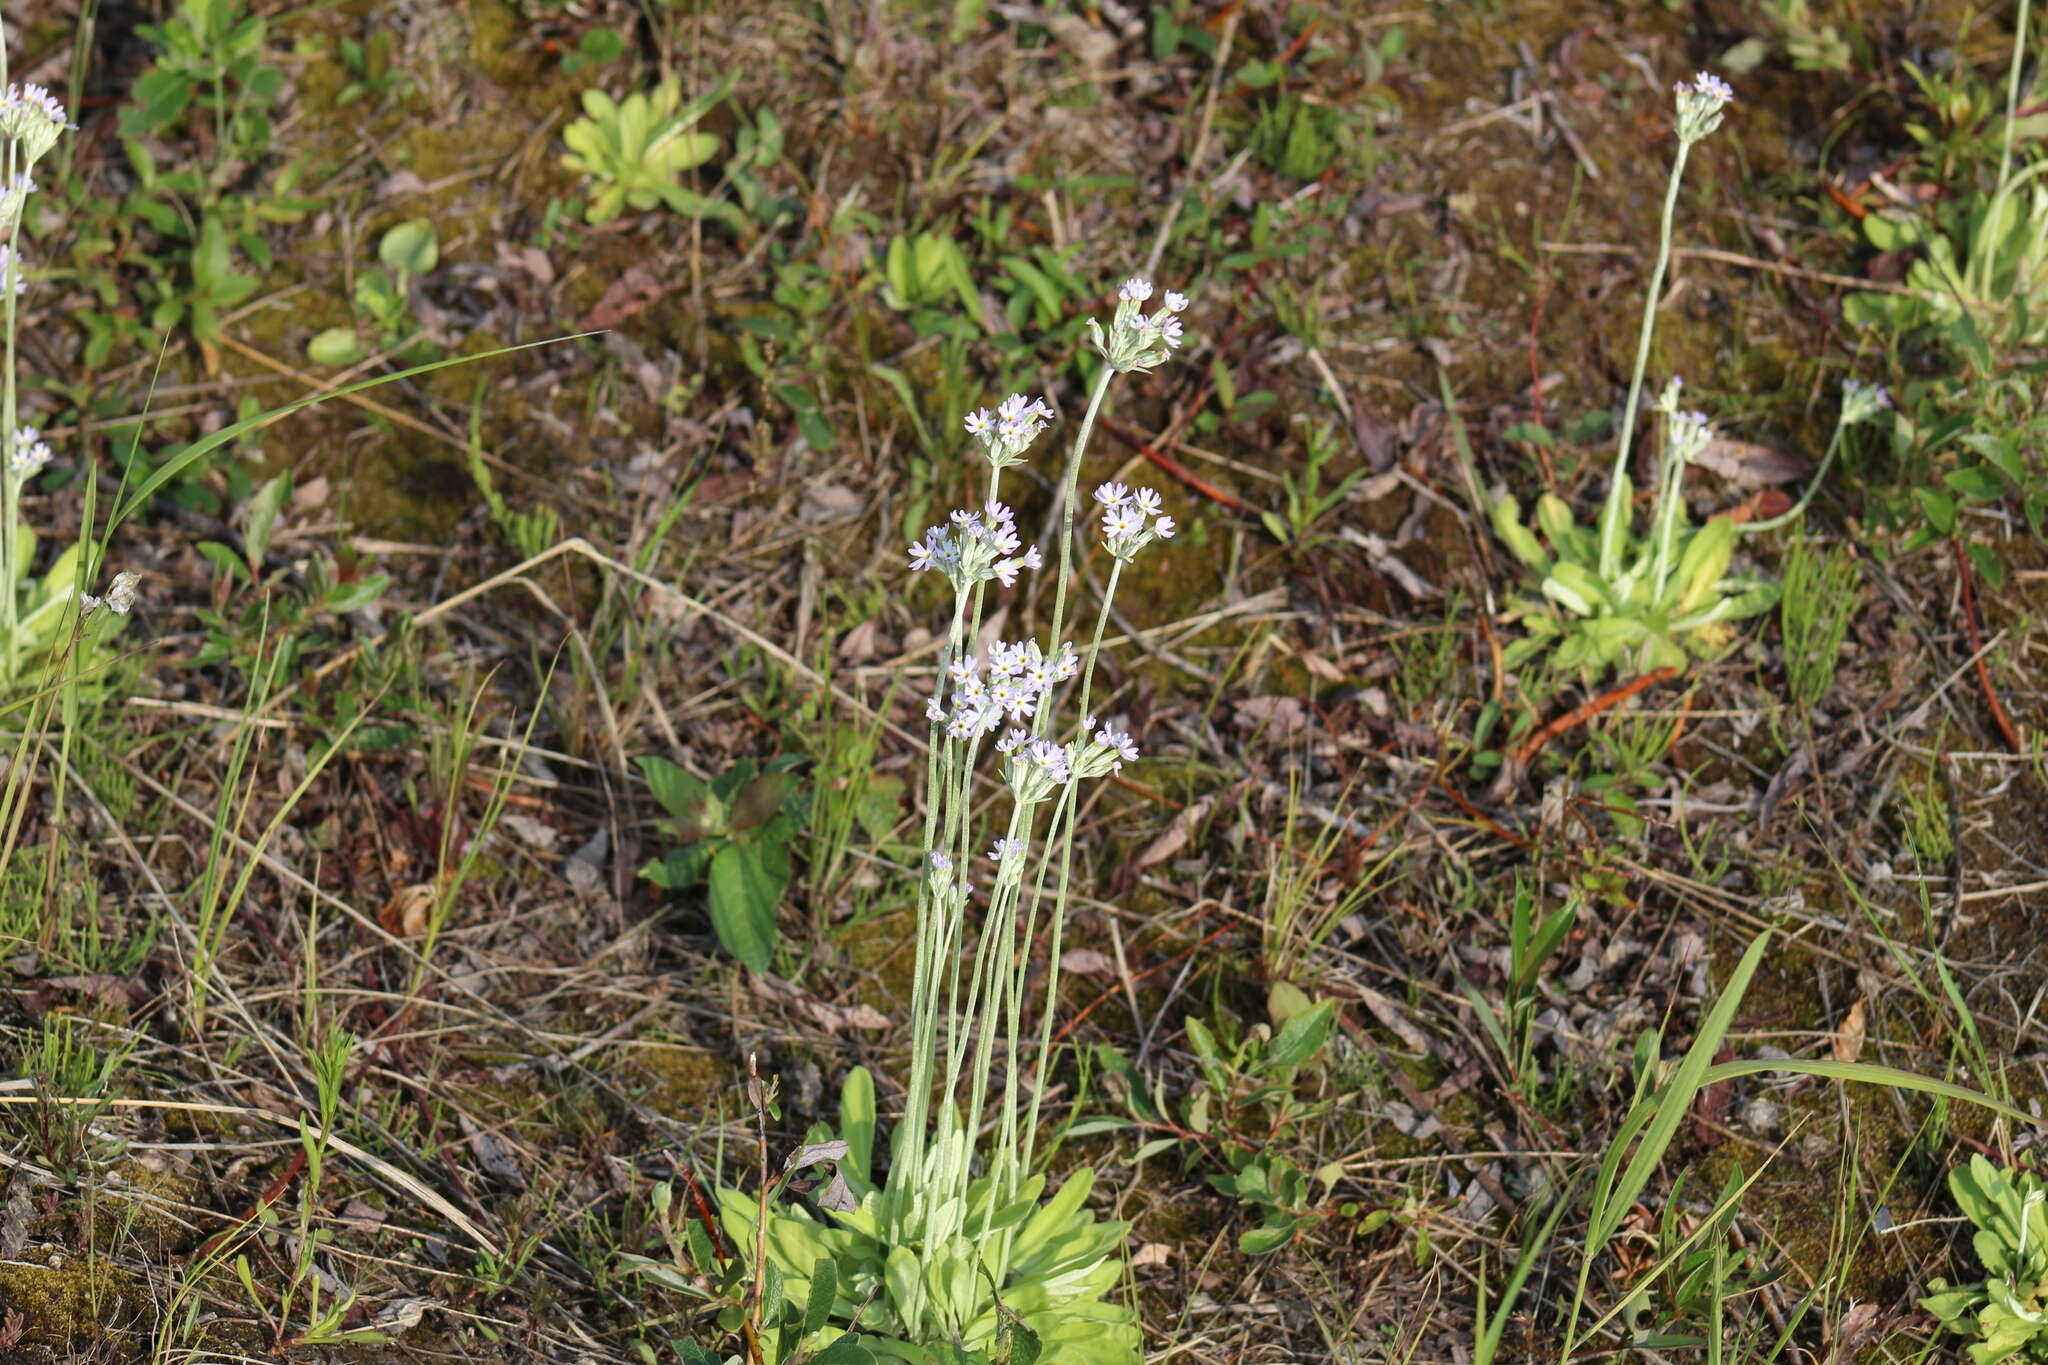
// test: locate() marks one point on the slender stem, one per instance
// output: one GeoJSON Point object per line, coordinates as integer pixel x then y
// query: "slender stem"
{"type": "Point", "coordinates": [1834, 444]}
{"type": "Point", "coordinates": [1611, 527]}
{"type": "Point", "coordinates": [2012, 92]}
{"type": "Point", "coordinates": [1059, 914]}
{"type": "Point", "coordinates": [1670, 491]}
{"type": "Point", "coordinates": [1064, 511]}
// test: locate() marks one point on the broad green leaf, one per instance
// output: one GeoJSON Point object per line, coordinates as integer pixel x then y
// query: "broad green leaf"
{"type": "Point", "coordinates": [1975, 482]}
{"type": "Point", "coordinates": [689, 799]}
{"type": "Point", "coordinates": [335, 346]}
{"type": "Point", "coordinates": [824, 1288]}
{"type": "Point", "coordinates": [1302, 1037]}
{"type": "Point", "coordinates": [1939, 509]}
{"type": "Point", "coordinates": [1261, 1241]}
{"type": "Point", "coordinates": [857, 1119]}
{"type": "Point", "coordinates": [760, 800]}
{"type": "Point", "coordinates": [744, 899]}
{"type": "Point", "coordinates": [410, 246]}
{"type": "Point", "coordinates": [1016, 1343]}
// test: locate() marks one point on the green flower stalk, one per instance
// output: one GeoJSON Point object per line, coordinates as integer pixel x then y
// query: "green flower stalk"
{"type": "Point", "coordinates": [958, 1245]}
{"type": "Point", "coordinates": [1700, 105]}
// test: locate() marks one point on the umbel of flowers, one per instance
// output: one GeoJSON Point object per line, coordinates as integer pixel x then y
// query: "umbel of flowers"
{"type": "Point", "coordinates": [959, 1243]}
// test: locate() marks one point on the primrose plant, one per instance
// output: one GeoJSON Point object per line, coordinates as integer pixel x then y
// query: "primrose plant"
{"type": "Point", "coordinates": [1611, 597]}
{"type": "Point", "coordinates": [955, 1254]}
{"type": "Point", "coordinates": [37, 616]}
{"type": "Point", "coordinates": [637, 149]}
{"type": "Point", "coordinates": [2006, 1311]}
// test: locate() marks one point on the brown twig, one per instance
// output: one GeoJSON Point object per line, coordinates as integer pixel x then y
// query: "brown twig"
{"type": "Point", "coordinates": [271, 1194]}
{"type": "Point", "coordinates": [2005, 725]}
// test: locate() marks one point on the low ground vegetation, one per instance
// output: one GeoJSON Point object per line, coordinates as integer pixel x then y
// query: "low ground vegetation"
{"type": "Point", "coordinates": [1453, 770]}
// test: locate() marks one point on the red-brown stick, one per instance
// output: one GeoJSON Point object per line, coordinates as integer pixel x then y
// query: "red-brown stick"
{"type": "Point", "coordinates": [1579, 715]}
{"type": "Point", "coordinates": [2005, 726]}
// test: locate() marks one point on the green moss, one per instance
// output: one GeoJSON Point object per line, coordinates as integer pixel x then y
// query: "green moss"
{"type": "Point", "coordinates": [74, 1302]}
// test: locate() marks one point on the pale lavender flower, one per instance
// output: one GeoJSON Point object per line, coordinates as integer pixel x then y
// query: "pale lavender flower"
{"type": "Point", "coordinates": [1124, 516]}
{"type": "Point", "coordinates": [33, 118]}
{"type": "Point", "coordinates": [1005, 433]}
{"type": "Point", "coordinates": [1134, 339]}
{"type": "Point", "coordinates": [1709, 86]}
{"type": "Point", "coordinates": [10, 270]}
{"type": "Point", "coordinates": [1004, 849]}
{"type": "Point", "coordinates": [12, 199]}
{"type": "Point", "coordinates": [1700, 104]}
{"type": "Point", "coordinates": [1051, 758]}
{"type": "Point", "coordinates": [975, 547]}
{"type": "Point", "coordinates": [1861, 402]}
{"type": "Point", "coordinates": [1120, 742]}
{"type": "Point", "coordinates": [1121, 522]}
{"type": "Point", "coordinates": [27, 453]}
{"type": "Point", "coordinates": [939, 861]}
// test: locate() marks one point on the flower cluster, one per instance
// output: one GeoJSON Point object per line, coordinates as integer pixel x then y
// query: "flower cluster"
{"type": "Point", "coordinates": [27, 452]}
{"type": "Point", "coordinates": [1689, 434]}
{"type": "Point", "coordinates": [1117, 746]}
{"type": "Point", "coordinates": [1018, 676]}
{"type": "Point", "coordinates": [33, 118]}
{"type": "Point", "coordinates": [975, 547]}
{"type": "Point", "coordinates": [1700, 102]}
{"type": "Point", "coordinates": [1131, 519]}
{"type": "Point", "coordinates": [1003, 850]}
{"type": "Point", "coordinates": [1861, 401]}
{"type": "Point", "coordinates": [1037, 766]}
{"type": "Point", "coordinates": [1138, 340]}
{"type": "Point", "coordinates": [1005, 433]}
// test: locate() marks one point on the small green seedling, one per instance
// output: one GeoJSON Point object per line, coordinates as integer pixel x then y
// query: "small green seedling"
{"type": "Point", "coordinates": [1244, 1102]}
{"type": "Point", "coordinates": [922, 273]}
{"type": "Point", "coordinates": [1308, 502]}
{"type": "Point", "coordinates": [638, 149]}
{"type": "Point", "coordinates": [256, 602]}
{"type": "Point", "coordinates": [733, 832]}
{"type": "Point", "coordinates": [382, 299]}
{"type": "Point", "coordinates": [371, 73]}
{"type": "Point", "coordinates": [2006, 1311]}
{"type": "Point", "coordinates": [210, 53]}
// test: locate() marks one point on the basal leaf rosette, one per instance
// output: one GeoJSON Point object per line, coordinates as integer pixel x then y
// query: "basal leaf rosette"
{"type": "Point", "coordinates": [915, 1297]}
